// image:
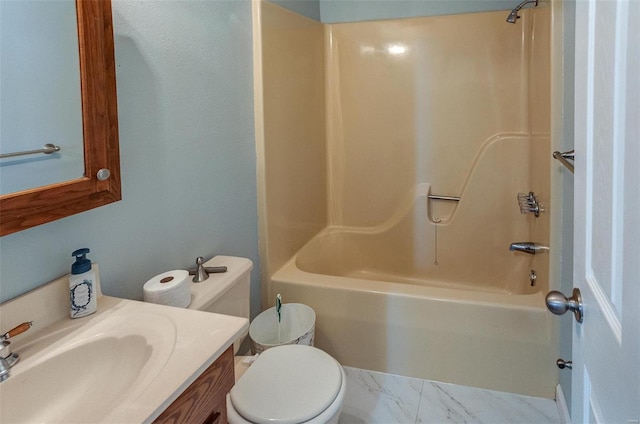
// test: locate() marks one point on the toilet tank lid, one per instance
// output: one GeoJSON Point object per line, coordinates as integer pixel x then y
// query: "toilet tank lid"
{"type": "Point", "coordinates": [286, 385]}
{"type": "Point", "coordinates": [210, 290]}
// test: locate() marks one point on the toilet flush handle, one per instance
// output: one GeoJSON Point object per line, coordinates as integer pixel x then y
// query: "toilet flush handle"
{"type": "Point", "coordinates": [201, 272]}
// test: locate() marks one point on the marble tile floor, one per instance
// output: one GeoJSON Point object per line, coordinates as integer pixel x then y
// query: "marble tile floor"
{"type": "Point", "coordinates": [378, 398]}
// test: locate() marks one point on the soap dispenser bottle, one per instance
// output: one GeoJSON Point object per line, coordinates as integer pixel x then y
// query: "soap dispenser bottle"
{"type": "Point", "coordinates": [82, 286]}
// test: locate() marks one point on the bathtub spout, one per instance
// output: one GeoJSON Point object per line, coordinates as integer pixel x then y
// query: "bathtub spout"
{"type": "Point", "coordinates": [528, 247]}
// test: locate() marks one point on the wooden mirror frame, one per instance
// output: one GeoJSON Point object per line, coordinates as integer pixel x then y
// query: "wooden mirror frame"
{"type": "Point", "coordinates": [28, 208]}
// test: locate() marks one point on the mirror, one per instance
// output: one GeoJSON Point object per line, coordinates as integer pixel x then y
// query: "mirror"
{"type": "Point", "coordinates": [100, 183]}
{"type": "Point", "coordinates": [40, 102]}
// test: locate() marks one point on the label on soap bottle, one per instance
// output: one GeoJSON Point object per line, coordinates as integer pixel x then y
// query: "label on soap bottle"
{"type": "Point", "coordinates": [81, 295]}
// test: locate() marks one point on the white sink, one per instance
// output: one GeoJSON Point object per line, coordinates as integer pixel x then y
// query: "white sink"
{"type": "Point", "coordinates": [92, 370]}
{"type": "Point", "coordinates": [126, 363]}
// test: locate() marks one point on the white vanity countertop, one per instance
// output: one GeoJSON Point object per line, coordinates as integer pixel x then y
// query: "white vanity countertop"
{"type": "Point", "coordinates": [161, 349]}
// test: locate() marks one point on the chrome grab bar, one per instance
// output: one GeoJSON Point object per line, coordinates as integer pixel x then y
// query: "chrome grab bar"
{"type": "Point", "coordinates": [47, 149]}
{"type": "Point", "coordinates": [564, 158]}
{"type": "Point", "coordinates": [449, 198]}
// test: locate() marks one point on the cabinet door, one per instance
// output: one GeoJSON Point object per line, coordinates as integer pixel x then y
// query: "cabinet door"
{"type": "Point", "coordinates": [204, 401]}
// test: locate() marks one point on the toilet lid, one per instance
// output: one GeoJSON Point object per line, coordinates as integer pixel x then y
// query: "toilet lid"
{"type": "Point", "coordinates": [287, 384]}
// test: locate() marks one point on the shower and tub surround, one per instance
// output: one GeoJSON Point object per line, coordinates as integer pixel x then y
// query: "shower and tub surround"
{"type": "Point", "coordinates": [493, 340]}
{"type": "Point", "coordinates": [421, 101]}
{"type": "Point", "coordinates": [454, 106]}
{"type": "Point", "coordinates": [393, 121]}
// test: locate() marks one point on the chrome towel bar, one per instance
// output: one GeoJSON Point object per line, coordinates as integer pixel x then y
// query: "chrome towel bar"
{"type": "Point", "coordinates": [47, 149]}
{"type": "Point", "coordinates": [564, 158]}
{"type": "Point", "coordinates": [449, 198]}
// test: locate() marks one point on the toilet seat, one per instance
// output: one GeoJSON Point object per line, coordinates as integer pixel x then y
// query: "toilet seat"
{"type": "Point", "coordinates": [288, 384]}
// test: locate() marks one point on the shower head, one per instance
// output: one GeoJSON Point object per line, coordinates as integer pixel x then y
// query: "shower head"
{"type": "Point", "coordinates": [513, 15]}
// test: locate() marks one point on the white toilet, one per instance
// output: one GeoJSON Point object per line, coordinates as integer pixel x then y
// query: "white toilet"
{"type": "Point", "coordinates": [287, 384]}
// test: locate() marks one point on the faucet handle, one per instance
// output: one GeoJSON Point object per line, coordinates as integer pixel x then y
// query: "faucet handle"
{"type": "Point", "coordinates": [16, 330]}
{"type": "Point", "coordinates": [7, 358]}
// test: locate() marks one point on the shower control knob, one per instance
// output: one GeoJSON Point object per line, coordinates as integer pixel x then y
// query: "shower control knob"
{"type": "Point", "coordinates": [558, 303]}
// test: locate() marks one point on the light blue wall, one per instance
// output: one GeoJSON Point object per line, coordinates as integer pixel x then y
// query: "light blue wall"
{"type": "Point", "coordinates": [185, 107]}
{"type": "Point", "coordinates": [308, 8]}
{"type": "Point", "coordinates": [333, 11]}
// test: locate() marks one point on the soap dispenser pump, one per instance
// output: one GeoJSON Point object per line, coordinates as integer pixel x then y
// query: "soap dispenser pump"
{"type": "Point", "coordinates": [82, 286]}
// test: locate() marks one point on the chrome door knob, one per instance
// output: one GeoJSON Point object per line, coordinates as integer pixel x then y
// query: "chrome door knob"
{"type": "Point", "coordinates": [558, 303]}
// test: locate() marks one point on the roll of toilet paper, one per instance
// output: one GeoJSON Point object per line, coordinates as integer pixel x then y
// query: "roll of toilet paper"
{"type": "Point", "coordinates": [171, 288]}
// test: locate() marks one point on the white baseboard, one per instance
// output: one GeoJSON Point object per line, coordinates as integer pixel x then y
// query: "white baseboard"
{"type": "Point", "coordinates": [561, 403]}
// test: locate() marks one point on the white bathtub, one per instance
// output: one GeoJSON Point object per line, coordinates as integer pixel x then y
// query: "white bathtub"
{"type": "Point", "coordinates": [485, 336]}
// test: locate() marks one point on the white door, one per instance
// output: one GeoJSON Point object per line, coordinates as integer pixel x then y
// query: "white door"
{"type": "Point", "coordinates": [606, 346]}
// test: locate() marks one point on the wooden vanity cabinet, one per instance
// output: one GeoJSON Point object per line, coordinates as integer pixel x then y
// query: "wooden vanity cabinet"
{"type": "Point", "coordinates": [204, 401]}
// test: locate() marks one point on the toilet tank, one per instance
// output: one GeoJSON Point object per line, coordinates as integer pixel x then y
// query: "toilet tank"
{"type": "Point", "coordinates": [227, 292]}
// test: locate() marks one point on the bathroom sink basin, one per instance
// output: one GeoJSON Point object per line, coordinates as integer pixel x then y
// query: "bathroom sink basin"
{"type": "Point", "coordinates": [86, 375]}
{"type": "Point", "coordinates": [126, 363]}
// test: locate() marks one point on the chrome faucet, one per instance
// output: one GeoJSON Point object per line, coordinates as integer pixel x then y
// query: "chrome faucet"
{"type": "Point", "coordinates": [528, 247]}
{"type": "Point", "coordinates": [7, 358]}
